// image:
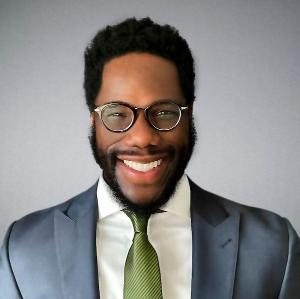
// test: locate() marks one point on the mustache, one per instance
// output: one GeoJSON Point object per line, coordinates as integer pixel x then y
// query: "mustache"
{"type": "Point", "coordinates": [144, 152]}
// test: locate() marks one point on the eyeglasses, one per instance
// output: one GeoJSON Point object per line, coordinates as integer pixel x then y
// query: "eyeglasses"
{"type": "Point", "coordinates": [120, 117]}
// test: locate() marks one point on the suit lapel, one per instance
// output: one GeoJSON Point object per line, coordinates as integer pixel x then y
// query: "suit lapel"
{"type": "Point", "coordinates": [215, 233]}
{"type": "Point", "coordinates": [75, 237]}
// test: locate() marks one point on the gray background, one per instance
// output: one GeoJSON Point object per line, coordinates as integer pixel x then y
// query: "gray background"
{"type": "Point", "coordinates": [247, 111]}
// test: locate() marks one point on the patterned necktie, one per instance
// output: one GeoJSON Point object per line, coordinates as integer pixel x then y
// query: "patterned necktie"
{"type": "Point", "coordinates": [141, 275]}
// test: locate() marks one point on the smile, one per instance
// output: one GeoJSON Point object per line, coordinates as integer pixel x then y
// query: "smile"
{"type": "Point", "coordinates": [143, 167]}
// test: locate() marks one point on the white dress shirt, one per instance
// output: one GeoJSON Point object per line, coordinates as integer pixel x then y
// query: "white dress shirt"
{"type": "Point", "coordinates": [169, 233]}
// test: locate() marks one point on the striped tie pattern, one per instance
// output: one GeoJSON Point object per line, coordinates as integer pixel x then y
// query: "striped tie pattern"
{"type": "Point", "coordinates": [142, 274]}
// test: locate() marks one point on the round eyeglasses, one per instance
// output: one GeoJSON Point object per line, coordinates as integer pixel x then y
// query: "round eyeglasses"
{"type": "Point", "coordinates": [120, 117]}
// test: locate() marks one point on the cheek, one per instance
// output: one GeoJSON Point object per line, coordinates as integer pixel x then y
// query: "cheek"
{"type": "Point", "coordinates": [106, 139]}
{"type": "Point", "coordinates": [180, 136]}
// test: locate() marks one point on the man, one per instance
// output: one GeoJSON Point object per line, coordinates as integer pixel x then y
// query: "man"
{"type": "Point", "coordinates": [145, 230]}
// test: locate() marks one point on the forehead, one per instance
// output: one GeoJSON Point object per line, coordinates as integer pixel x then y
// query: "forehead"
{"type": "Point", "coordinates": [139, 79]}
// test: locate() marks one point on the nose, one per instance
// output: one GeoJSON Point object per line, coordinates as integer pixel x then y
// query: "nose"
{"type": "Point", "coordinates": [141, 134]}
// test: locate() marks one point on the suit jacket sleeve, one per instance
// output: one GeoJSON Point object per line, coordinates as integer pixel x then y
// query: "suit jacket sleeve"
{"type": "Point", "coordinates": [8, 285]}
{"type": "Point", "coordinates": [291, 283]}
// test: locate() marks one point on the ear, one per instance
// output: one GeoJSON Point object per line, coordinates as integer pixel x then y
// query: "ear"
{"type": "Point", "coordinates": [92, 119]}
{"type": "Point", "coordinates": [190, 110]}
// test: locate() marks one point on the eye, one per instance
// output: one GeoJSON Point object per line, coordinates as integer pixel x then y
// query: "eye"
{"type": "Point", "coordinates": [117, 115]}
{"type": "Point", "coordinates": [164, 114]}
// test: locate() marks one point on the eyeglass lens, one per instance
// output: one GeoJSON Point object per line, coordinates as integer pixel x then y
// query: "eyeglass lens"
{"type": "Point", "coordinates": [163, 116]}
{"type": "Point", "coordinates": [117, 117]}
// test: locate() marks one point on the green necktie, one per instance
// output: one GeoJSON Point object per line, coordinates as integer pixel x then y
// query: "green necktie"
{"type": "Point", "coordinates": [141, 275]}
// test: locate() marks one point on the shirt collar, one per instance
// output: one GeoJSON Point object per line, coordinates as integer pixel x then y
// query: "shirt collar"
{"type": "Point", "coordinates": [178, 204]}
{"type": "Point", "coordinates": [106, 203]}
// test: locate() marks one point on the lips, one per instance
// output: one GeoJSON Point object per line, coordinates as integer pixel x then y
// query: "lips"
{"type": "Point", "coordinates": [143, 167]}
{"type": "Point", "coordinates": [134, 173]}
{"type": "Point", "coordinates": [137, 169]}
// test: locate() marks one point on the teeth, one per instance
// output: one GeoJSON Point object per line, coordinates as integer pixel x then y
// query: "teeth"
{"type": "Point", "coordinates": [144, 167]}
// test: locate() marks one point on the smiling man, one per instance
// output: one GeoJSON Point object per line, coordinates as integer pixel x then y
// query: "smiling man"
{"type": "Point", "coordinates": [145, 230]}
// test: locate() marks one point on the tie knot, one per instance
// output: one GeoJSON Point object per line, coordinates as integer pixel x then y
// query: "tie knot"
{"type": "Point", "coordinates": [139, 222]}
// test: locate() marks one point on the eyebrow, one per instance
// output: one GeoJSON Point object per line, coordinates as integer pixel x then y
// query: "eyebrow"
{"type": "Point", "coordinates": [179, 101]}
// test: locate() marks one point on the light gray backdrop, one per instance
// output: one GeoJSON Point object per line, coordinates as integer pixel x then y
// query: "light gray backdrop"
{"type": "Point", "coordinates": [247, 110]}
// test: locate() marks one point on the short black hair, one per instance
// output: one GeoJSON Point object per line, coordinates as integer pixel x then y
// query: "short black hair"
{"type": "Point", "coordinates": [144, 36]}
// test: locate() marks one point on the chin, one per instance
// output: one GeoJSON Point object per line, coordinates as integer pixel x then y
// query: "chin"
{"type": "Point", "coordinates": [142, 201]}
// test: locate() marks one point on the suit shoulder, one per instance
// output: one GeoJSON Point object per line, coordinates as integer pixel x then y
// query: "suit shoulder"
{"type": "Point", "coordinates": [254, 218]}
{"type": "Point", "coordinates": [34, 221]}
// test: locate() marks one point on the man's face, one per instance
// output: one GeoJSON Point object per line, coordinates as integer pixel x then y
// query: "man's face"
{"type": "Point", "coordinates": [140, 80]}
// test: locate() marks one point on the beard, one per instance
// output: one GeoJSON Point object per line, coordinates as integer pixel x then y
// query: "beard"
{"type": "Point", "coordinates": [108, 161]}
